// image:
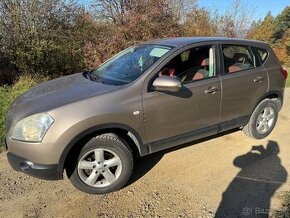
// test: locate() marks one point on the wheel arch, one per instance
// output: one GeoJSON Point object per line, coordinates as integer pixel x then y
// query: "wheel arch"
{"type": "Point", "coordinates": [125, 132]}
{"type": "Point", "coordinates": [271, 95]}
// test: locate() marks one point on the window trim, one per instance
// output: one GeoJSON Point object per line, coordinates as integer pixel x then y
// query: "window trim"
{"type": "Point", "coordinates": [253, 56]}
{"type": "Point", "coordinates": [194, 81]}
{"type": "Point", "coordinates": [257, 56]}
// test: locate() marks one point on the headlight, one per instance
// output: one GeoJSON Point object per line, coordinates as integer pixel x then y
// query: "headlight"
{"type": "Point", "coordinates": [32, 128]}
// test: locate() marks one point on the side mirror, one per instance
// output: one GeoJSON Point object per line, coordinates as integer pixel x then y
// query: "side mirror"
{"type": "Point", "coordinates": [166, 83]}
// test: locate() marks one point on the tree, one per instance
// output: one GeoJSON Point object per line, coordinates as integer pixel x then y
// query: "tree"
{"type": "Point", "coordinates": [199, 23]}
{"type": "Point", "coordinates": [38, 36]}
{"type": "Point", "coordinates": [282, 24]}
{"type": "Point", "coordinates": [125, 23]}
{"type": "Point", "coordinates": [282, 49]}
{"type": "Point", "coordinates": [235, 21]}
{"type": "Point", "coordinates": [286, 41]}
{"type": "Point", "coordinates": [263, 29]}
{"type": "Point", "coordinates": [281, 36]}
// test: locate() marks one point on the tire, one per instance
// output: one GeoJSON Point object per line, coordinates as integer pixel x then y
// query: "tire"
{"type": "Point", "coordinates": [263, 119]}
{"type": "Point", "coordinates": [109, 172]}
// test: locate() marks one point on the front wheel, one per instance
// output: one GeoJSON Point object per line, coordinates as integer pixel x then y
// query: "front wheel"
{"type": "Point", "coordinates": [104, 165]}
{"type": "Point", "coordinates": [263, 119]}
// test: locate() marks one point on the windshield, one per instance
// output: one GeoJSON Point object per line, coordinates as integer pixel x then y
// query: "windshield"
{"type": "Point", "coordinates": [129, 64]}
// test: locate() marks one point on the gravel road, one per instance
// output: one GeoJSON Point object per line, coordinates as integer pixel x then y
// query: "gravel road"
{"type": "Point", "coordinates": [228, 174]}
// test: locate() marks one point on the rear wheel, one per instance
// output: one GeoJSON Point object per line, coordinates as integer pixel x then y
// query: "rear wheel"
{"type": "Point", "coordinates": [104, 165]}
{"type": "Point", "coordinates": [263, 119]}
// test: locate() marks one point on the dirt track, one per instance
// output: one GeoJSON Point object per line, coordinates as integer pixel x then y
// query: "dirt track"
{"type": "Point", "coordinates": [220, 174]}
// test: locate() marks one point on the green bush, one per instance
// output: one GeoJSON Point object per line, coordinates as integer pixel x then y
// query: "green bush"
{"type": "Point", "coordinates": [3, 109]}
{"type": "Point", "coordinates": [7, 96]}
{"type": "Point", "coordinates": [288, 81]}
{"type": "Point", "coordinates": [40, 37]}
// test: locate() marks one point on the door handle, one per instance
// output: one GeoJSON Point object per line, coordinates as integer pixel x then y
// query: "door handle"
{"type": "Point", "coordinates": [258, 79]}
{"type": "Point", "coordinates": [212, 90]}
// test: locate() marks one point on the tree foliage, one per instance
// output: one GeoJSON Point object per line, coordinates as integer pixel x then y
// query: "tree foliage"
{"type": "Point", "coordinates": [282, 24]}
{"type": "Point", "coordinates": [124, 23]}
{"type": "Point", "coordinates": [263, 29]}
{"type": "Point", "coordinates": [199, 23]}
{"type": "Point", "coordinates": [58, 37]}
{"type": "Point", "coordinates": [39, 36]}
{"type": "Point", "coordinates": [235, 21]}
{"type": "Point", "coordinates": [276, 31]}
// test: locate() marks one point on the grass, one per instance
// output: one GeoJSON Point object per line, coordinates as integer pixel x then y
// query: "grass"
{"type": "Point", "coordinates": [288, 78]}
{"type": "Point", "coordinates": [4, 90]}
{"type": "Point", "coordinates": [8, 95]}
{"type": "Point", "coordinates": [288, 82]}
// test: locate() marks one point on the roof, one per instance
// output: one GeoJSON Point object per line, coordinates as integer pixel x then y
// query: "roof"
{"type": "Point", "coordinates": [182, 41]}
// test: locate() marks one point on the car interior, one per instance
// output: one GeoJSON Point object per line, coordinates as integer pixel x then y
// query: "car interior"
{"type": "Point", "coordinates": [237, 58]}
{"type": "Point", "coordinates": [191, 65]}
{"type": "Point", "coordinates": [198, 63]}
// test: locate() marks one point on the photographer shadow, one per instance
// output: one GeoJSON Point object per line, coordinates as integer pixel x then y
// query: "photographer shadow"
{"type": "Point", "coordinates": [250, 192]}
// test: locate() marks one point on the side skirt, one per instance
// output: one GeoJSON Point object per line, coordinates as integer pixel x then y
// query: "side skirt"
{"type": "Point", "coordinates": [173, 141]}
{"type": "Point", "coordinates": [181, 139]}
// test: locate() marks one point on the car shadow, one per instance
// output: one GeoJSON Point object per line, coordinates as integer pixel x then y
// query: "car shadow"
{"type": "Point", "coordinates": [144, 164]}
{"type": "Point", "coordinates": [182, 93]}
{"type": "Point", "coordinates": [250, 192]}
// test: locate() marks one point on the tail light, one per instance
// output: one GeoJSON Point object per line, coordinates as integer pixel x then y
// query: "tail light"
{"type": "Point", "coordinates": [284, 72]}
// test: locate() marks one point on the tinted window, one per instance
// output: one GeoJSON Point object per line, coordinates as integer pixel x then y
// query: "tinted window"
{"type": "Point", "coordinates": [237, 58]}
{"type": "Point", "coordinates": [191, 65]}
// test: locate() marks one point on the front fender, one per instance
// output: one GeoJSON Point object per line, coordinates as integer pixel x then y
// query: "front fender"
{"type": "Point", "coordinates": [103, 127]}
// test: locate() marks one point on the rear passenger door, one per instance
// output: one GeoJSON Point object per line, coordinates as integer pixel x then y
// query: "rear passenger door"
{"type": "Point", "coordinates": [243, 84]}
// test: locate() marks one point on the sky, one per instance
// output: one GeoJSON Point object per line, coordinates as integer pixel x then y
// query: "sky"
{"type": "Point", "coordinates": [260, 7]}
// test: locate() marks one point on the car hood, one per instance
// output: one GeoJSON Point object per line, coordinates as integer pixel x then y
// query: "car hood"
{"type": "Point", "coordinates": [56, 93]}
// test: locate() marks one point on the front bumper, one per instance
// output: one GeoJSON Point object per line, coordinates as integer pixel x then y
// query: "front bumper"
{"type": "Point", "coordinates": [41, 171]}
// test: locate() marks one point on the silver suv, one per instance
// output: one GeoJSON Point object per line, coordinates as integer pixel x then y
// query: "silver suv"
{"type": "Point", "coordinates": [147, 98]}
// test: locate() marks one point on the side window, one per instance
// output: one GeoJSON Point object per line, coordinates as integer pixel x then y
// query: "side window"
{"type": "Point", "coordinates": [237, 58]}
{"type": "Point", "coordinates": [190, 65]}
{"type": "Point", "coordinates": [263, 54]}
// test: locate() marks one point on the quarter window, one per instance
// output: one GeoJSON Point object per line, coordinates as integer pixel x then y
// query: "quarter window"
{"type": "Point", "coordinates": [263, 54]}
{"type": "Point", "coordinates": [237, 58]}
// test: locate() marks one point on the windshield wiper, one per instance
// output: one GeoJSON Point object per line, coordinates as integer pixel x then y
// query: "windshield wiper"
{"type": "Point", "coordinates": [95, 77]}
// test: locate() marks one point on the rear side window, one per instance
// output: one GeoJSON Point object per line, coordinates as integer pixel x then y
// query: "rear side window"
{"type": "Point", "coordinates": [237, 58]}
{"type": "Point", "coordinates": [263, 54]}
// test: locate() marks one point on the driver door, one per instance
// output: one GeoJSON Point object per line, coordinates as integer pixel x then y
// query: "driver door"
{"type": "Point", "coordinates": [191, 113]}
